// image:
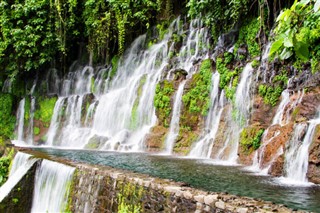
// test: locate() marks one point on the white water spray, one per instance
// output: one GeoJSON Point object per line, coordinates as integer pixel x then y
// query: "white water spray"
{"type": "Point", "coordinates": [51, 188]}
{"type": "Point", "coordinates": [20, 166]}
{"type": "Point", "coordinates": [203, 147]}
{"type": "Point", "coordinates": [174, 124]}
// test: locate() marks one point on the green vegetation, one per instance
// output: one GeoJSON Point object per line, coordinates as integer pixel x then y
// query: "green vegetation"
{"type": "Point", "coordinates": [219, 15]}
{"type": "Point", "coordinates": [197, 99]}
{"type": "Point", "coordinates": [36, 32]}
{"type": "Point", "coordinates": [248, 35]}
{"type": "Point", "coordinates": [45, 110]}
{"type": "Point", "coordinates": [162, 101]}
{"type": "Point", "coordinates": [250, 138]}
{"type": "Point", "coordinates": [297, 33]}
{"type": "Point", "coordinates": [36, 130]}
{"type": "Point", "coordinates": [7, 117]}
{"type": "Point", "coordinates": [129, 198]}
{"type": "Point", "coordinates": [4, 167]}
{"type": "Point", "coordinates": [226, 75]}
{"type": "Point", "coordinates": [134, 111]}
{"type": "Point", "coordinates": [271, 93]}
{"type": "Point", "coordinates": [185, 139]}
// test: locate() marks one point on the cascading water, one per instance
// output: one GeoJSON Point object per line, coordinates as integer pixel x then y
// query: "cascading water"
{"type": "Point", "coordinates": [20, 120]}
{"type": "Point", "coordinates": [29, 136]}
{"type": "Point", "coordinates": [286, 106]}
{"type": "Point", "coordinates": [282, 118]}
{"type": "Point", "coordinates": [122, 110]}
{"type": "Point", "coordinates": [297, 154]}
{"type": "Point", "coordinates": [238, 116]}
{"type": "Point", "coordinates": [203, 147]}
{"type": "Point", "coordinates": [20, 166]}
{"type": "Point", "coordinates": [174, 124]}
{"type": "Point", "coordinates": [51, 188]}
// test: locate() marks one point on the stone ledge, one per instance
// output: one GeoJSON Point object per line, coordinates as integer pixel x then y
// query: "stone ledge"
{"type": "Point", "coordinates": [98, 188]}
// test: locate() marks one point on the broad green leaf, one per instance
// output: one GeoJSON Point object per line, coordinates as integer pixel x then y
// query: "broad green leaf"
{"type": "Point", "coordinates": [302, 50]}
{"type": "Point", "coordinates": [285, 54]}
{"type": "Point", "coordinates": [316, 6]}
{"type": "Point", "coordinates": [276, 46]}
{"type": "Point", "coordinates": [288, 42]}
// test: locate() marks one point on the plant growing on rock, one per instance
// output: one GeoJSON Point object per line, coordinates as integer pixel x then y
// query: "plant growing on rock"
{"type": "Point", "coordinates": [250, 138]}
{"type": "Point", "coordinates": [197, 99]}
{"type": "Point", "coordinates": [162, 101]}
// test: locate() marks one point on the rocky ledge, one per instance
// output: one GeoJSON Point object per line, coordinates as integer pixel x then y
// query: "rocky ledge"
{"type": "Point", "coordinates": [104, 189]}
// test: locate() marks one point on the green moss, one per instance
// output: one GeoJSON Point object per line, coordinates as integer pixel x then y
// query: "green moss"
{"type": "Point", "coordinates": [185, 139]}
{"type": "Point", "coordinates": [70, 189]}
{"type": "Point", "coordinates": [270, 94]}
{"type": "Point", "coordinates": [114, 65]}
{"type": "Point", "coordinates": [130, 198]}
{"type": "Point", "coordinates": [45, 111]}
{"type": "Point", "coordinates": [134, 111]}
{"type": "Point", "coordinates": [162, 100]}
{"type": "Point", "coordinates": [36, 130]}
{"type": "Point", "coordinates": [255, 63]}
{"type": "Point", "coordinates": [227, 75]}
{"type": "Point", "coordinates": [27, 107]}
{"type": "Point", "coordinates": [15, 200]}
{"type": "Point", "coordinates": [250, 138]}
{"type": "Point", "coordinates": [197, 99]}
{"type": "Point", "coordinates": [247, 35]}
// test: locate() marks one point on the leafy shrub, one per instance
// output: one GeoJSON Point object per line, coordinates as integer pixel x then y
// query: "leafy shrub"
{"type": "Point", "coordinates": [251, 138]}
{"type": "Point", "coordinates": [45, 111]}
{"type": "Point", "coordinates": [197, 99]}
{"type": "Point", "coordinates": [297, 31]}
{"type": "Point", "coordinates": [162, 100]}
{"type": "Point", "coordinates": [7, 118]}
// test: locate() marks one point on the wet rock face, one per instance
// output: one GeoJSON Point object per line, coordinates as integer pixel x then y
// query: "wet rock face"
{"type": "Point", "coordinates": [262, 114]}
{"type": "Point", "coordinates": [314, 158]}
{"type": "Point", "coordinates": [309, 105]}
{"type": "Point", "coordinates": [154, 140]}
{"type": "Point", "coordinates": [305, 80]}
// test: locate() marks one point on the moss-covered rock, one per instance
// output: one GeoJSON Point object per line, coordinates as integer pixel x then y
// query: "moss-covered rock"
{"type": "Point", "coordinates": [250, 138]}
{"type": "Point", "coordinates": [45, 109]}
{"type": "Point", "coordinates": [162, 102]}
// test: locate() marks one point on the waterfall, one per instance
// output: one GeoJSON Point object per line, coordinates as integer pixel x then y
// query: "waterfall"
{"type": "Point", "coordinates": [297, 151]}
{"type": "Point", "coordinates": [121, 111]}
{"type": "Point", "coordinates": [203, 147]}
{"type": "Point", "coordinates": [55, 120]}
{"type": "Point", "coordinates": [174, 124]}
{"type": "Point", "coordinates": [7, 86]}
{"type": "Point", "coordinates": [29, 136]}
{"type": "Point", "coordinates": [51, 188]}
{"type": "Point", "coordinates": [259, 154]}
{"type": "Point", "coordinates": [282, 116]}
{"type": "Point", "coordinates": [238, 116]}
{"type": "Point", "coordinates": [20, 120]}
{"type": "Point", "coordinates": [20, 166]}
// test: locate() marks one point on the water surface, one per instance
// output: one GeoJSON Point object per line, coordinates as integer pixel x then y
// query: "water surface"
{"type": "Point", "coordinates": [201, 174]}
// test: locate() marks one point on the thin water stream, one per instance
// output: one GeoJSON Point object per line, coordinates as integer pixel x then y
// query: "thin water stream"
{"type": "Point", "coordinates": [201, 174]}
